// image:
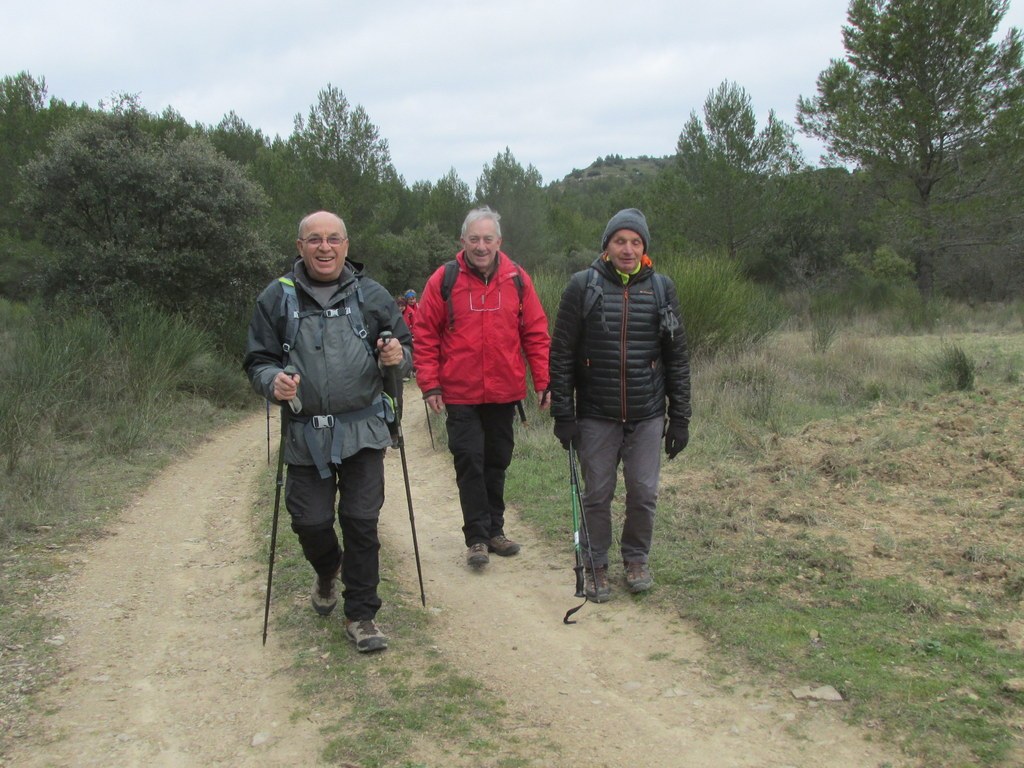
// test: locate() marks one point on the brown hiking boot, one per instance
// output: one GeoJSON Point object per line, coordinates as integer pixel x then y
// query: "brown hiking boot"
{"type": "Point", "coordinates": [325, 594]}
{"type": "Point", "coordinates": [502, 545]}
{"type": "Point", "coordinates": [596, 586]}
{"type": "Point", "coordinates": [476, 555]}
{"type": "Point", "coordinates": [638, 577]}
{"type": "Point", "coordinates": [366, 635]}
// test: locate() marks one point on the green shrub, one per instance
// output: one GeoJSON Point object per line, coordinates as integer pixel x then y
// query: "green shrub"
{"type": "Point", "coordinates": [722, 310]}
{"type": "Point", "coordinates": [154, 350]}
{"type": "Point", "coordinates": [824, 323]}
{"type": "Point", "coordinates": [53, 365]}
{"type": "Point", "coordinates": [549, 286]}
{"type": "Point", "coordinates": [955, 368]}
{"type": "Point", "coordinates": [64, 373]}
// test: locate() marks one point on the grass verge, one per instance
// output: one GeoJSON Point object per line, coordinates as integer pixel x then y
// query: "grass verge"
{"type": "Point", "coordinates": [852, 518]}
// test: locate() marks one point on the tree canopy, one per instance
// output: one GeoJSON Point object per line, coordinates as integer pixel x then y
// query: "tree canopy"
{"type": "Point", "coordinates": [515, 192]}
{"type": "Point", "coordinates": [726, 164]}
{"type": "Point", "coordinates": [916, 102]}
{"type": "Point", "coordinates": [129, 214]}
{"type": "Point", "coordinates": [923, 119]}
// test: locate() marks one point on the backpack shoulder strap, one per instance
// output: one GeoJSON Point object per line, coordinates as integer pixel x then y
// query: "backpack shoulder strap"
{"type": "Point", "coordinates": [668, 320]}
{"type": "Point", "coordinates": [517, 278]}
{"type": "Point", "coordinates": [290, 311]}
{"type": "Point", "coordinates": [593, 292]}
{"type": "Point", "coordinates": [353, 301]}
{"type": "Point", "coordinates": [451, 274]}
{"type": "Point", "coordinates": [658, 284]}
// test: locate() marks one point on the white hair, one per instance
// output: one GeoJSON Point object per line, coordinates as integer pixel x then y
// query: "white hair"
{"type": "Point", "coordinates": [483, 212]}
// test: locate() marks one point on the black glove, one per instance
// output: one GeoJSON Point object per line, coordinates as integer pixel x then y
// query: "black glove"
{"type": "Point", "coordinates": [566, 431]}
{"type": "Point", "coordinates": [676, 438]}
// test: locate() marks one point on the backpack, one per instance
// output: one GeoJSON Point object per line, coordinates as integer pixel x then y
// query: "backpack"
{"type": "Point", "coordinates": [594, 292]}
{"type": "Point", "coordinates": [451, 273]}
{"type": "Point", "coordinates": [386, 408]}
{"type": "Point", "coordinates": [292, 313]}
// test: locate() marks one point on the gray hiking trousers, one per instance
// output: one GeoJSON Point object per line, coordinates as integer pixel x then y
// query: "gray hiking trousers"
{"type": "Point", "coordinates": [603, 445]}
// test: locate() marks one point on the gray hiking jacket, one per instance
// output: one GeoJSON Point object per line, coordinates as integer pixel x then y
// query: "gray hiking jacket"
{"type": "Point", "coordinates": [340, 375]}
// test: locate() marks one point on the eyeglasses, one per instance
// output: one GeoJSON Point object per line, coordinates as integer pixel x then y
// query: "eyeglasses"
{"type": "Point", "coordinates": [317, 240]}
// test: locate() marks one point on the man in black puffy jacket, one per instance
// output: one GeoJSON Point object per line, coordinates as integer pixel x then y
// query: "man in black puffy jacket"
{"type": "Point", "coordinates": [618, 358]}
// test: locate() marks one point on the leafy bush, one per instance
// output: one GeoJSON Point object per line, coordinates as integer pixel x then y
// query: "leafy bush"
{"type": "Point", "coordinates": [404, 261]}
{"type": "Point", "coordinates": [130, 215]}
{"type": "Point", "coordinates": [883, 266]}
{"type": "Point", "coordinates": [722, 310]}
{"type": "Point", "coordinates": [955, 368]}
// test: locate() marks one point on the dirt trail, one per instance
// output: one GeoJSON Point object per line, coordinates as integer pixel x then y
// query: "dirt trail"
{"type": "Point", "coordinates": [164, 625]}
{"type": "Point", "coordinates": [167, 668]}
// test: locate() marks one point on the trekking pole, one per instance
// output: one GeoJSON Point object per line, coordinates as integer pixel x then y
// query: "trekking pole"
{"type": "Point", "coordinates": [579, 522]}
{"type": "Point", "coordinates": [430, 428]}
{"type": "Point", "coordinates": [394, 384]}
{"type": "Point", "coordinates": [268, 433]}
{"type": "Point", "coordinates": [522, 413]}
{"type": "Point", "coordinates": [295, 405]}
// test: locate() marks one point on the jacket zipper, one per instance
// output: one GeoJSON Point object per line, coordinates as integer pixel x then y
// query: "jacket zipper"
{"type": "Point", "coordinates": [622, 351]}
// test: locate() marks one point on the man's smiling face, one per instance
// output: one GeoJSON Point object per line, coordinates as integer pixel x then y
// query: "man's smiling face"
{"type": "Point", "coordinates": [323, 246]}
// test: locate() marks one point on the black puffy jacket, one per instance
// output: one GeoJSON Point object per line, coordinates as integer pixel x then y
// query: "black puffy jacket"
{"type": "Point", "coordinates": [616, 363]}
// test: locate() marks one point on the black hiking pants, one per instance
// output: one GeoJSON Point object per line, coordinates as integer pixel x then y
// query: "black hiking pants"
{"type": "Point", "coordinates": [481, 439]}
{"type": "Point", "coordinates": [358, 486]}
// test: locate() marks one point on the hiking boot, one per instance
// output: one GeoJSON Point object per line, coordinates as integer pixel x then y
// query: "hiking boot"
{"type": "Point", "coordinates": [366, 635]}
{"type": "Point", "coordinates": [477, 555]}
{"type": "Point", "coordinates": [638, 577]}
{"type": "Point", "coordinates": [325, 594]}
{"type": "Point", "coordinates": [502, 545]}
{"type": "Point", "coordinates": [596, 586]}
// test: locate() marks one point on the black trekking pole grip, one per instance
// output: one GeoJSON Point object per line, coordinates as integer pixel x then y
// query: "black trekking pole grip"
{"type": "Point", "coordinates": [393, 388]}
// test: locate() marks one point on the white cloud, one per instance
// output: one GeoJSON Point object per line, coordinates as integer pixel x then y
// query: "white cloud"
{"type": "Point", "coordinates": [449, 83]}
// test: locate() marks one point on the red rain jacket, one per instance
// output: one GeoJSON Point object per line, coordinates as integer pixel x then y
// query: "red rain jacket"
{"type": "Point", "coordinates": [482, 359]}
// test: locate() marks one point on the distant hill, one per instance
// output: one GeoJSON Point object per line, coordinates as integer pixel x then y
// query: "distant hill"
{"type": "Point", "coordinates": [617, 168]}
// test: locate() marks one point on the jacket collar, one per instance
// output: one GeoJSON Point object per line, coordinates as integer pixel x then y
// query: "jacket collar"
{"type": "Point", "coordinates": [468, 267]}
{"type": "Point", "coordinates": [351, 270]}
{"type": "Point", "coordinates": [607, 269]}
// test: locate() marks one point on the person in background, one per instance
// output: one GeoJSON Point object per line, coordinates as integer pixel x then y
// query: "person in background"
{"type": "Point", "coordinates": [409, 309]}
{"type": "Point", "coordinates": [618, 356]}
{"type": "Point", "coordinates": [471, 355]}
{"type": "Point", "coordinates": [336, 422]}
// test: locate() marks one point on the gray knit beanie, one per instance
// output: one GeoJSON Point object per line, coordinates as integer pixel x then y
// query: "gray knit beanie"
{"type": "Point", "coordinates": [631, 219]}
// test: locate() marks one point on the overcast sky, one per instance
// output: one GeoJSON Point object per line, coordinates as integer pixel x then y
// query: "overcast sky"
{"type": "Point", "coordinates": [449, 84]}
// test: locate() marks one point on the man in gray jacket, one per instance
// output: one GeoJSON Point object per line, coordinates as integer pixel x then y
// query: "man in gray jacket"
{"type": "Point", "coordinates": [323, 323]}
{"type": "Point", "coordinates": [619, 364]}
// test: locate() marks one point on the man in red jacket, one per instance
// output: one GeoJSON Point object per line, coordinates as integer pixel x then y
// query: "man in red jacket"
{"type": "Point", "coordinates": [471, 355]}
